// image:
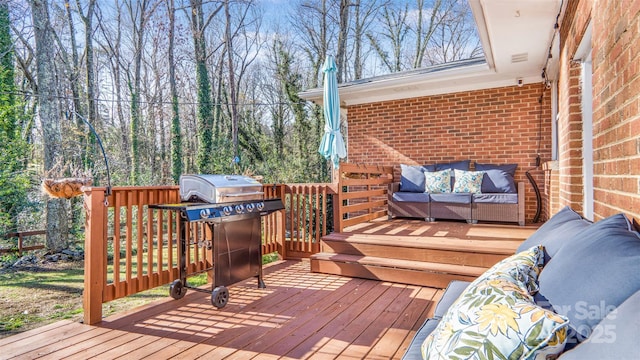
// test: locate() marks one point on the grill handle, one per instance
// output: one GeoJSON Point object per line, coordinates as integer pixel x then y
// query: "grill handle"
{"type": "Point", "coordinates": [243, 194]}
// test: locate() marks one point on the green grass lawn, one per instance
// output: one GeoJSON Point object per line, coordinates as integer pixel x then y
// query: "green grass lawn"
{"type": "Point", "coordinates": [34, 296]}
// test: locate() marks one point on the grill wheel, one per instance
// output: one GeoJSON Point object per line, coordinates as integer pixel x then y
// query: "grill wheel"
{"type": "Point", "coordinates": [219, 296]}
{"type": "Point", "coordinates": [177, 290]}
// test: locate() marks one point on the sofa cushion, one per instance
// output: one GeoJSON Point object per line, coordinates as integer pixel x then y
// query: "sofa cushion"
{"type": "Point", "coordinates": [456, 198]}
{"type": "Point", "coordinates": [460, 165]}
{"type": "Point", "coordinates": [413, 351]}
{"type": "Point", "coordinates": [553, 233]}
{"type": "Point", "coordinates": [498, 181]}
{"type": "Point", "coordinates": [508, 168]}
{"type": "Point", "coordinates": [411, 178]}
{"type": "Point", "coordinates": [451, 294]}
{"type": "Point", "coordinates": [496, 198]}
{"type": "Point", "coordinates": [594, 271]}
{"type": "Point", "coordinates": [615, 337]}
{"type": "Point", "coordinates": [401, 196]}
{"type": "Point", "coordinates": [429, 167]}
{"type": "Point", "coordinates": [467, 181]}
{"type": "Point", "coordinates": [437, 181]}
{"type": "Point", "coordinates": [495, 317]}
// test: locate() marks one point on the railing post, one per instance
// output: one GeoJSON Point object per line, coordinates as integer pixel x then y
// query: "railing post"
{"type": "Point", "coordinates": [281, 225]}
{"type": "Point", "coordinates": [337, 203]}
{"type": "Point", "coordinates": [95, 254]}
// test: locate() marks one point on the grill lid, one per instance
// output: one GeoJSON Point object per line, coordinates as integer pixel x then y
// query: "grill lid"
{"type": "Point", "coordinates": [219, 188]}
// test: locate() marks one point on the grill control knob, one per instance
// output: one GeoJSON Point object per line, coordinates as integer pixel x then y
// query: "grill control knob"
{"type": "Point", "coordinates": [239, 209]}
{"type": "Point", "coordinates": [260, 206]}
{"type": "Point", "coordinates": [205, 213]}
{"type": "Point", "coordinates": [250, 207]}
{"type": "Point", "coordinates": [227, 210]}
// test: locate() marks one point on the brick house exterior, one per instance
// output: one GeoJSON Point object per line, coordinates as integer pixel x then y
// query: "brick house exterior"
{"type": "Point", "coordinates": [615, 40]}
{"type": "Point", "coordinates": [500, 125]}
{"type": "Point", "coordinates": [501, 122]}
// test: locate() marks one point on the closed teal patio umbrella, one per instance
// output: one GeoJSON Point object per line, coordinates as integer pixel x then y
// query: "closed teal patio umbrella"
{"type": "Point", "coordinates": [332, 144]}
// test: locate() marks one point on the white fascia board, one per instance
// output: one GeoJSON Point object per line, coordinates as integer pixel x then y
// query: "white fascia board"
{"type": "Point", "coordinates": [467, 78]}
{"type": "Point", "coordinates": [483, 32]}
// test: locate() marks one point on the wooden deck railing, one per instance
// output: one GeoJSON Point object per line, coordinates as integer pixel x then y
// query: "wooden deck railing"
{"type": "Point", "coordinates": [21, 247]}
{"type": "Point", "coordinates": [362, 194]}
{"type": "Point", "coordinates": [130, 247]}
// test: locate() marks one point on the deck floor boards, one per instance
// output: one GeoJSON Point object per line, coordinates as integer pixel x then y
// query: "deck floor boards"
{"type": "Point", "coordinates": [300, 315]}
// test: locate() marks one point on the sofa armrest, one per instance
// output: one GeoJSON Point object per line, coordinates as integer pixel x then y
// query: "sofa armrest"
{"type": "Point", "coordinates": [393, 187]}
{"type": "Point", "coordinates": [521, 207]}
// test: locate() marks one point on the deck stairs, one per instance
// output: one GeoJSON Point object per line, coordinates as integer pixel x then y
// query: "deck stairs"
{"type": "Point", "coordinates": [431, 261]}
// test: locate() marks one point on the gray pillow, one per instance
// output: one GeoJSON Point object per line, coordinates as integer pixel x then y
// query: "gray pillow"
{"type": "Point", "coordinates": [597, 268]}
{"type": "Point", "coordinates": [411, 178]}
{"type": "Point", "coordinates": [615, 337]}
{"type": "Point", "coordinates": [508, 168]}
{"type": "Point", "coordinates": [553, 233]}
{"type": "Point", "coordinates": [498, 181]}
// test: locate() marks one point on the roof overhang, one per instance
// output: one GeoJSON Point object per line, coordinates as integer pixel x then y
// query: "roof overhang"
{"type": "Point", "coordinates": [516, 36]}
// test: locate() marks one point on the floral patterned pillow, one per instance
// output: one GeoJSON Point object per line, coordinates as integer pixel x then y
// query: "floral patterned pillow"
{"type": "Point", "coordinates": [438, 181]}
{"type": "Point", "coordinates": [496, 318]}
{"type": "Point", "coordinates": [468, 181]}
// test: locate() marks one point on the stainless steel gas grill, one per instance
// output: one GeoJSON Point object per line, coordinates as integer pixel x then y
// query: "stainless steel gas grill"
{"type": "Point", "coordinates": [232, 206]}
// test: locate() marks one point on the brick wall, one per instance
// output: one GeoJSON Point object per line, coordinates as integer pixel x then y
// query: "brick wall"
{"type": "Point", "coordinates": [616, 105]}
{"type": "Point", "coordinates": [501, 125]}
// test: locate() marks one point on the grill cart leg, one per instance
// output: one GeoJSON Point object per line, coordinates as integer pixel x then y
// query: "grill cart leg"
{"type": "Point", "coordinates": [177, 290]}
{"type": "Point", "coordinates": [219, 297]}
{"type": "Point", "coordinates": [178, 287]}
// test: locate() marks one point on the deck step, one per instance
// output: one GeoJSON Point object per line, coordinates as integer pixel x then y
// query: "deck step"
{"type": "Point", "coordinates": [412, 272]}
{"type": "Point", "coordinates": [466, 252]}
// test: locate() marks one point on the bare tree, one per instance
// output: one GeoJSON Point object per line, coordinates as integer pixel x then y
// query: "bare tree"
{"type": "Point", "coordinates": [49, 114]}
{"type": "Point", "coordinates": [139, 12]}
{"type": "Point", "coordinates": [454, 38]}
{"type": "Point", "coordinates": [393, 33]}
{"type": "Point", "coordinates": [205, 118]}
{"type": "Point", "coordinates": [362, 20]}
{"type": "Point", "coordinates": [422, 34]}
{"type": "Point", "coordinates": [110, 43]}
{"type": "Point", "coordinates": [175, 134]}
{"type": "Point", "coordinates": [343, 33]}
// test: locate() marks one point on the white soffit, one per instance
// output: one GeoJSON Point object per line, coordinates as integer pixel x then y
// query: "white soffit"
{"type": "Point", "coordinates": [516, 34]}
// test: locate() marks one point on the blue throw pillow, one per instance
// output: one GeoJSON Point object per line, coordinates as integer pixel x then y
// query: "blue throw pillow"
{"type": "Point", "coordinates": [457, 165]}
{"type": "Point", "coordinates": [554, 233]}
{"type": "Point", "coordinates": [429, 167]}
{"type": "Point", "coordinates": [411, 178]}
{"type": "Point", "coordinates": [498, 181]}
{"type": "Point", "coordinates": [594, 272]}
{"type": "Point", "coordinates": [508, 168]}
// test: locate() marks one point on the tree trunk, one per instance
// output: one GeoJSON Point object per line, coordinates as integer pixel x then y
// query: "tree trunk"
{"type": "Point", "coordinates": [232, 82]}
{"type": "Point", "coordinates": [176, 135]}
{"type": "Point", "coordinates": [342, 40]}
{"type": "Point", "coordinates": [205, 121]}
{"type": "Point", "coordinates": [49, 113]}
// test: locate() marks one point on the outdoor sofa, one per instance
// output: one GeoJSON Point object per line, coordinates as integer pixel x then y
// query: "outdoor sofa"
{"type": "Point", "coordinates": [453, 191]}
{"type": "Point", "coordinates": [572, 289]}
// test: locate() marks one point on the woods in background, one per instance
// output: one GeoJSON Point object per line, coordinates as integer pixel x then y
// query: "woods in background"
{"type": "Point", "coordinates": [190, 86]}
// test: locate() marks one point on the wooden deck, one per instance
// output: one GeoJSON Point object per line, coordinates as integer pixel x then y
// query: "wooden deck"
{"type": "Point", "coordinates": [415, 252]}
{"type": "Point", "coordinates": [299, 315]}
